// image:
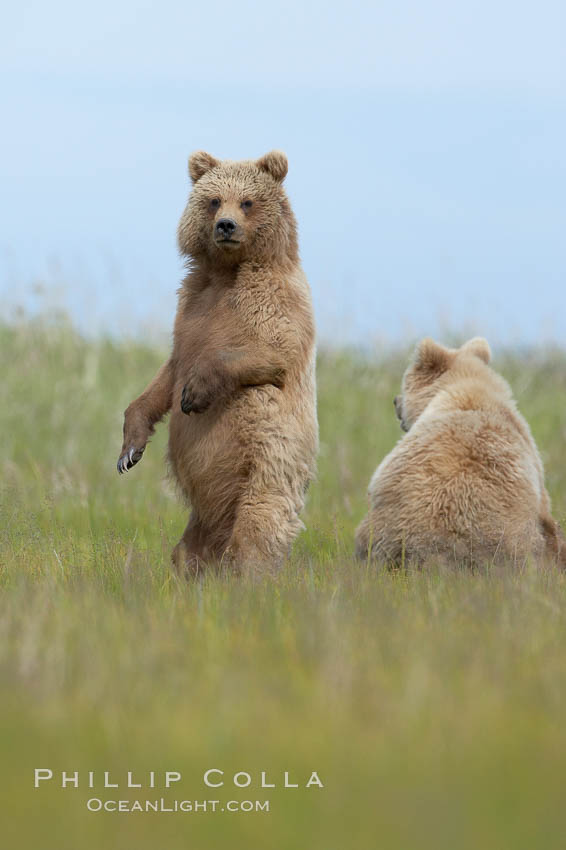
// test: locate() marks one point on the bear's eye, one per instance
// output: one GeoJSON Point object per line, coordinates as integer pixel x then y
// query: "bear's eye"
{"type": "Point", "coordinates": [215, 203]}
{"type": "Point", "coordinates": [247, 205]}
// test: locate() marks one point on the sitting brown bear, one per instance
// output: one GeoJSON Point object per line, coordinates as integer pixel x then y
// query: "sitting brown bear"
{"type": "Point", "coordinates": [240, 382]}
{"type": "Point", "coordinates": [466, 483]}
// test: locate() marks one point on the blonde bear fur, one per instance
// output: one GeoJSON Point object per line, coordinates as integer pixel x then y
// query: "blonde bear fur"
{"type": "Point", "coordinates": [466, 483]}
{"type": "Point", "coordinates": [240, 382]}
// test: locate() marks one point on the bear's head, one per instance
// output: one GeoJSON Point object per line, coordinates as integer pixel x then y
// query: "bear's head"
{"type": "Point", "coordinates": [434, 367]}
{"type": "Point", "coordinates": [238, 211]}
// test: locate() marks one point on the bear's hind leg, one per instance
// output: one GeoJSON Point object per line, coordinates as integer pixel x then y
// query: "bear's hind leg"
{"type": "Point", "coordinates": [554, 540]}
{"type": "Point", "coordinates": [373, 542]}
{"type": "Point", "coordinates": [362, 539]}
{"type": "Point", "coordinates": [263, 533]}
{"type": "Point", "coordinates": [190, 555]}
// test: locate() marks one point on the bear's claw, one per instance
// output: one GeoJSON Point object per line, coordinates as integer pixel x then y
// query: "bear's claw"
{"type": "Point", "coordinates": [129, 459]}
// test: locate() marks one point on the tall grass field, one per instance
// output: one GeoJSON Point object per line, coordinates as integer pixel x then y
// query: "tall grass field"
{"type": "Point", "coordinates": [431, 705]}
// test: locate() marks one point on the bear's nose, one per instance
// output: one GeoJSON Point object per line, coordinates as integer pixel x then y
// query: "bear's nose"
{"type": "Point", "coordinates": [225, 227]}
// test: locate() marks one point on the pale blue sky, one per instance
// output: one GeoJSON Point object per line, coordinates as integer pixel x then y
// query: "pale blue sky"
{"type": "Point", "coordinates": [426, 145]}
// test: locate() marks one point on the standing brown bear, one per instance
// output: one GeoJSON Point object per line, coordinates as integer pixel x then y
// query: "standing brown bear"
{"type": "Point", "coordinates": [240, 382]}
{"type": "Point", "coordinates": [466, 482]}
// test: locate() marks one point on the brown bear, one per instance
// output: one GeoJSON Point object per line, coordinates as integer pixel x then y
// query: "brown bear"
{"type": "Point", "coordinates": [466, 483]}
{"type": "Point", "coordinates": [240, 381]}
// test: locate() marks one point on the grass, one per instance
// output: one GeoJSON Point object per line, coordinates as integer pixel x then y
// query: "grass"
{"type": "Point", "coordinates": [431, 704]}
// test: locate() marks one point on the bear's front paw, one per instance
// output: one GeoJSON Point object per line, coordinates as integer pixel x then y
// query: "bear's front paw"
{"type": "Point", "coordinates": [206, 383]}
{"type": "Point", "coordinates": [129, 458]}
{"type": "Point", "coordinates": [195, 399]}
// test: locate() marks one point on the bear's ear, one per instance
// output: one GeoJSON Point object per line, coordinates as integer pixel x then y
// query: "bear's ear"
{"type": "Point", "coordinates": [431, 357]}
{"type": "Point", "coordinates": [199, 163]}
{"type": "Point", "coordinates": [274, 163]}
{"type": "Point", "coordinates": [479, 347]}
